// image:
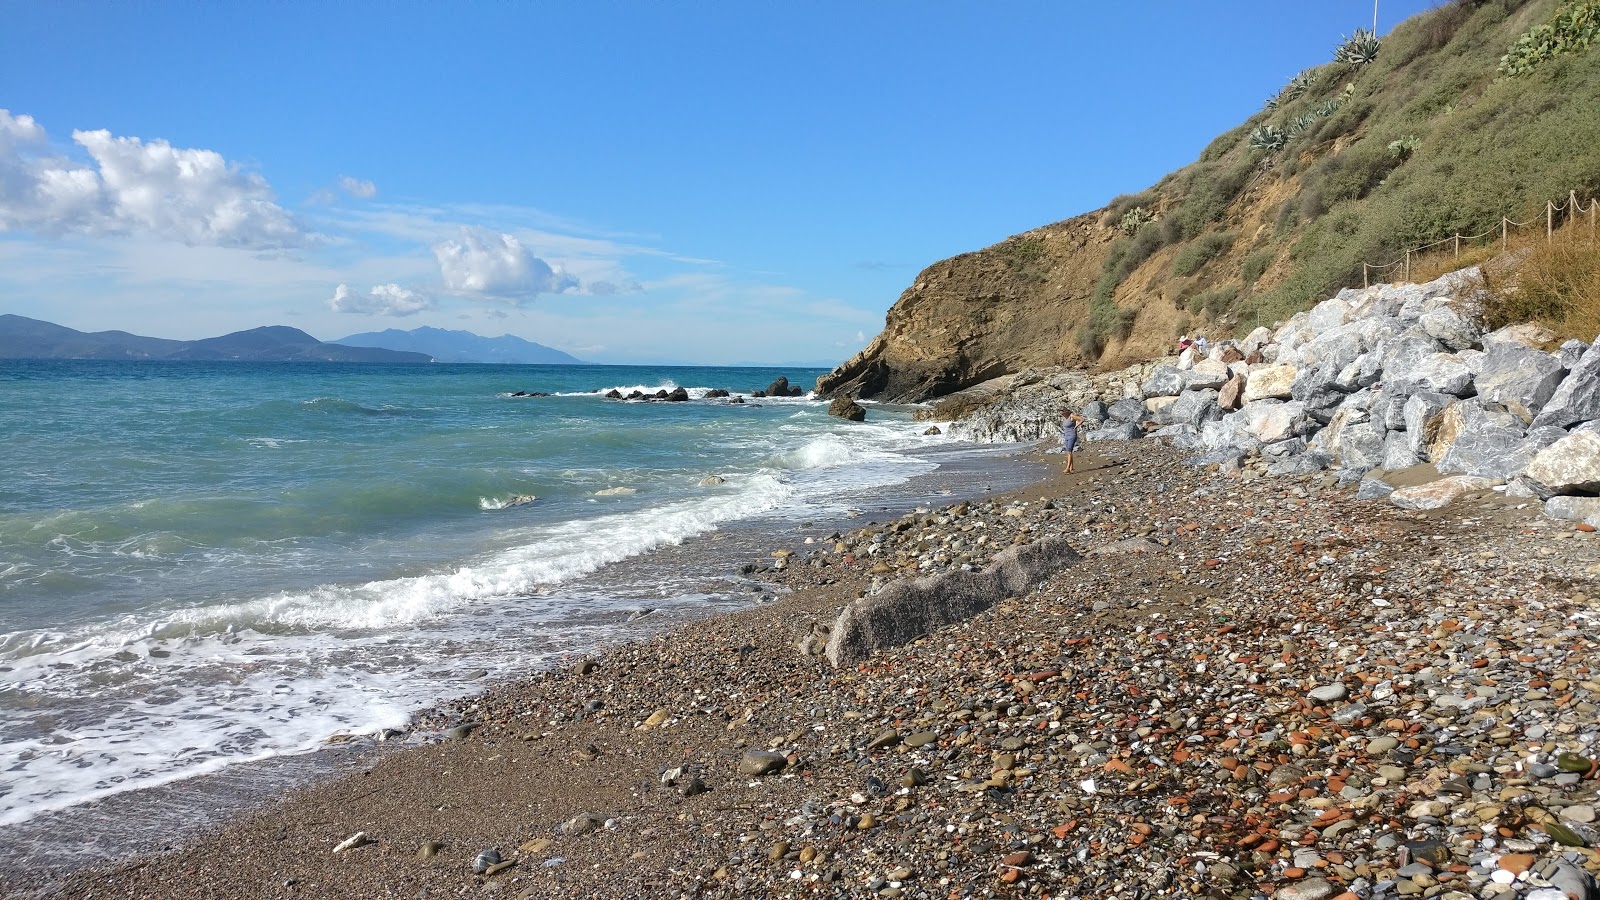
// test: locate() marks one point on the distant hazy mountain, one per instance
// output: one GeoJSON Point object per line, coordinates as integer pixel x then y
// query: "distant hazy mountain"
{"type": "Point", "coordinates": [24, 338]}
{"type": "Point", "coordinates": [461, 346]}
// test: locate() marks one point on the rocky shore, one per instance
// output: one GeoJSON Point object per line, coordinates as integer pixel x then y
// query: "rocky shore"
{"type": "Point", "coordinates": [1231, 688]}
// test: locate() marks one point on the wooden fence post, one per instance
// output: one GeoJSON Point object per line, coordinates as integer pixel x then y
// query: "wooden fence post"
{"type": "Point", "coordinates": [1502, 234]}
{"type": "Point", "coordinates": [1364, 265]}
{"type": "Point", "coordinates": [1458, 246]}
{"type": "Point", "coordinates": [1549, 221]}
{"type": "Point", "coordinates": [1408, 267]}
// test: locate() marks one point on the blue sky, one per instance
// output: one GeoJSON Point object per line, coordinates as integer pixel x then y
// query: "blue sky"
{"type": "Point", "coordinates": [628, 181]}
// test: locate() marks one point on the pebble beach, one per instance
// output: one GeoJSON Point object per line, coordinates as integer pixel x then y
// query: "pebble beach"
{"type": "Point", "coordinates": [1242, 688]}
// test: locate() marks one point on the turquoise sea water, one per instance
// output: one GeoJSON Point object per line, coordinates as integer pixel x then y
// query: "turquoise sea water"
{"type": "Point", "coordinates": [206, 563]}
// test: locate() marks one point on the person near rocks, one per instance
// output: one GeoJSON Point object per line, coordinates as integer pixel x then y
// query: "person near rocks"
{"type": "Point", "coordinates": [1183, 343]}
{"type": "Point", "coordinates": [1069, 434]}
{"type": "Point", "coordinates": [1200, 344]}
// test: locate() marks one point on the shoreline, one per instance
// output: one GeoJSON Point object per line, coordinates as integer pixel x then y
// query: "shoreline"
{"type": "Point", "coordinates": [1169, 699]}
{"type": "Point", "coordinates": [178, 812]}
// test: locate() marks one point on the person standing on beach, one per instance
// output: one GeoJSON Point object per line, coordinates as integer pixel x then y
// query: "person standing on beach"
{"type": "Point", "coordinates": [1069, 434]}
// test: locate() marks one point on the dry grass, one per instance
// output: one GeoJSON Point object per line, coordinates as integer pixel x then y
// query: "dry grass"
{"type": "Point", "coordinates": [1555, 283]}
{"type": "Point", "coordinates": [1427, 267]}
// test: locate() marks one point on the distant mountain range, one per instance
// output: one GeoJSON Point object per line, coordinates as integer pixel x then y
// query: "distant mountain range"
{"type": "Point", "coordinates": [461, 346]}
{"type": "Point", "coordinates": [25, 338]}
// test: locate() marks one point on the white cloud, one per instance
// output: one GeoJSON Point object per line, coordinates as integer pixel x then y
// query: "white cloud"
{"type": "Point", "coordinates": [135, 188]}
{"type": "Point", "coordinates": [357, 187]}
{"type": "Point", "coordinates": [382, 300]}
{"type": "Point", "coordinates": [497, 265]}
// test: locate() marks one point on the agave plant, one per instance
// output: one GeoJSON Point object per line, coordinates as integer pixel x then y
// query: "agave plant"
{"type": "Point", "coordinates": [1358, 49]}
{"type": "Point", "coordinates": [1300, 125]}
{"type": "Point", "coordinates": [1327, 108]}
{"type": "Point", "coordinates": [1268, 138]}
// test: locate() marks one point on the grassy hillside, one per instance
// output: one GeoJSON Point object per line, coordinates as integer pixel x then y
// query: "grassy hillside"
{"type": "Point", "coordinates": [1403, 141]}
{"type": "Point", "coordinates": [1474, 110]}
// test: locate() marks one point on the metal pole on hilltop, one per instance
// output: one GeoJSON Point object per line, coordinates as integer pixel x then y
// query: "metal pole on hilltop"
{"type": "Point", "coordinates": [1374, 17]}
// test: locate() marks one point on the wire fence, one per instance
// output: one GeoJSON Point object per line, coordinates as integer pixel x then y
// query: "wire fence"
{"type": "Point", "coordinates": [1572, 207]}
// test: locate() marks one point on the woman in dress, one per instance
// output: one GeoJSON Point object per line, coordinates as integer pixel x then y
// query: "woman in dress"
{"type": "Point", "coordinates": [1069, 434]}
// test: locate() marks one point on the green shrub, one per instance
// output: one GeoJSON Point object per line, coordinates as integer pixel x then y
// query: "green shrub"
{"type": "Point", "coordinates": [1352, 174]}
{"type": "Point", "coordinates": [1023, 257]}
{"type": "Point", "coordinates": [1255, 265]}
{"type": "Point", "coordinates": [1126, 255]}
{"type": "Point", "coordinates": [1200, 251]}
{"type": "Point", "coordinates": [1288, 215]}
{"type": "Point", "coordinates": [1402, 147]}
{"type": "Point", "coordinates": [1575, 27]}
{"type": "Point", "coordinates": [1211, 191]}
{"type": "Point", "coordinates": [1224, 142]}
{"type": "Point", "coordinates": [1215, 301]}
{"type": "Point", "coordinates": [1121, 204]}
{"type": "Point", "coordinates": [1108, 322]}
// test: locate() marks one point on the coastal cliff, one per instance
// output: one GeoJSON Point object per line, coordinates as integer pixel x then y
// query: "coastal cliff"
{"type": "Point", "coordinates": [981, 315]}
{"type": "Point", "coordinates": [1467, 113]}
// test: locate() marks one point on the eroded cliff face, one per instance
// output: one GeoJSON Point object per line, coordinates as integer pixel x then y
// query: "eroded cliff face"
{"type": "Point", "coordinates": [1012, 306]}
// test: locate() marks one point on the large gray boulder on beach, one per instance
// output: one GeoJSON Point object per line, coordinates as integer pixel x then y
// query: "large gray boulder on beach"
{"type": "Point", "coordinates": [1397, 452]}
{"type": "Point", "coordinates": [1315, 390]}
{"type": "Point", "coordinates": [1127, 410]}
{"type": "Point", "coordinates": [1360, 446]}
{"type": "Point", "coordinates": [1191, 408]}
{"type": "Point", "coordinates": [1420, 411]}
{"type": "Point", "coordinates": [1165, 381]}
{"type": "Point", "coordinates": [1230, 431]}
{"type": "Point", "coordinates": [1440, 373]}
{"type": "Point", "coordinates": [1487, 443]}
{"type": "Point", "coordinates": [1571, 465]}
{"type": "Point", "coordinates": [1571, 352]}
{"type": "Point", "coordinates": [1208, 374]}
{"type": "Point", "coordinates": [910, 608]}
{"type": "Point", "coordinates": [1574, 509]}
{"type": "Point", "coordinates": [1273, 420]}
{"type": "Point", "coordinates": [1577, 398]}
{"type": "Point", "coordinates": [1519, 378]}
{"type": "Point", "coordinates": [1115, 431]}
{"type": "Point", "coordinates": [1450, 328]}
{"type": "Point", "coordinates": [1404, 350]}
{"type": "Point", "coordinates": [1441, 493]}
{"type": "Point", "coordinates": [1274, 382]}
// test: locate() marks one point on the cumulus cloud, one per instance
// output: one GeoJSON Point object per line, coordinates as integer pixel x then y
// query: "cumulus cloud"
{"type": "Point", "coordinates": [497, 265]}
{"type": "Point", "coordinates": [358, 187]}
{"type": "Point", "coordinates": [382, 300]}
{"type": "Point", "coordinates": [134, 187]}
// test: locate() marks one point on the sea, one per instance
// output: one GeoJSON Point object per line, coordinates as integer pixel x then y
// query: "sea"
{"type": "Point", "coordinates": [208, 564]}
